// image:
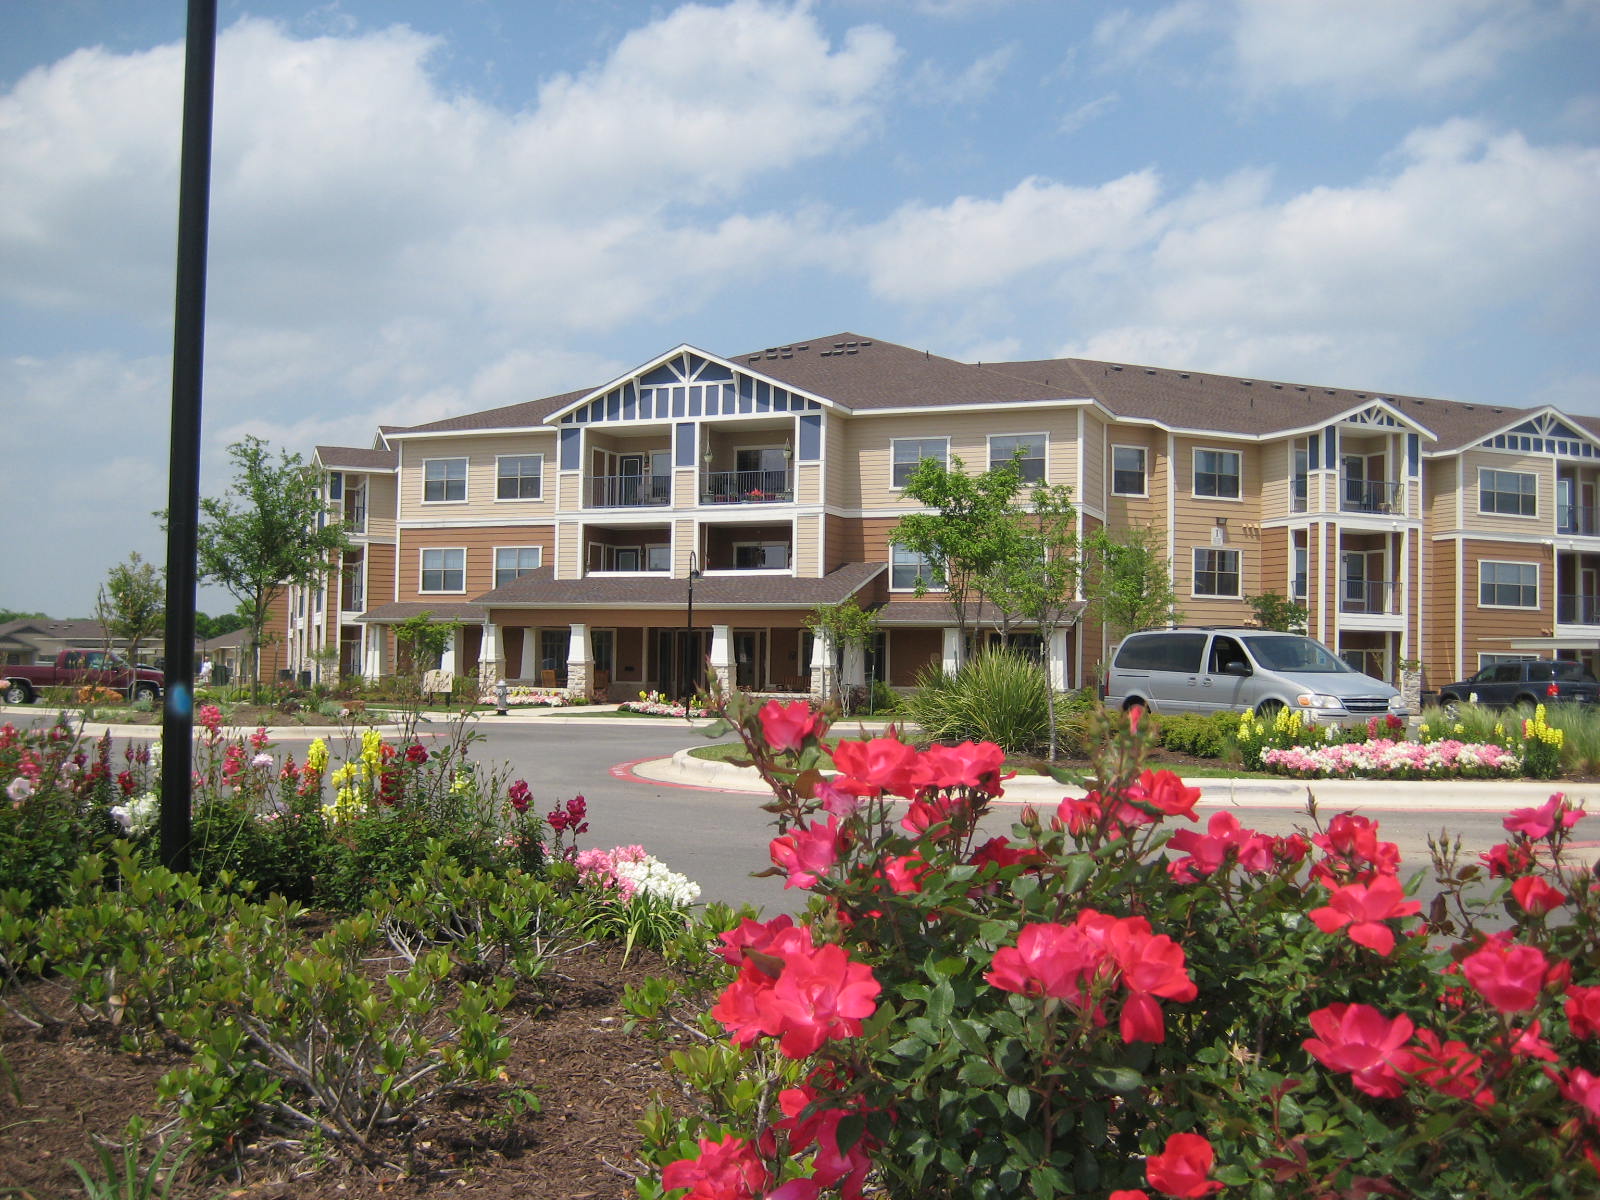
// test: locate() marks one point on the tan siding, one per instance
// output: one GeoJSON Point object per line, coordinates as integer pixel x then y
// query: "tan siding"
{"type": "Point", "coordinates": [380, 575]}
{"type": "Point", "coordinates": [381, 492]}
{"type": "Point", "coordinates": [1124, 512]}
{"type": "Point", "coordinates": [843, 470]}
{"type": "Point", "coordinates": [1276, 460]}
{"type": "Point", "coordinates": [808, 483]}
{"type": "Point", "coordinates": [569, 551]}
{"type": "Point", "coordinates": [1488, 628]}
{"type": "Point", "coordinates": [968, 435]}
{"type": "Point", "coordinates": [1092, 450]}
{"type": "Point", "coordinates": [683, 544]}
{"type": "Point", "coordinates": [1274, 564]}
{"type": "Point", "coordinates": [480, 453]}
{"type": "Point", "coordinates": [807, 548]}
{"type": "Point", "coordinates": [479, 543]}
{"type": "Point", "coordinates": [1535, 526]}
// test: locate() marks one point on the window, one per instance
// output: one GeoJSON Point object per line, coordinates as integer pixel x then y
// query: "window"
{"type": "Point", "coordinates": [1302, 570]}
{"type": "Point", "coordinates": [1031, 446]}
{"type": "Point", "coordinates": [1216, 473]}
{"type": "Point", "coordinates": [1492, 660]}
{"type": "Point", "coordinates": [1511, 492]}
{"type": "Point", "coordinates": [760, 556]}
{"type": "Point", "coordinates": [906, 568]}
{"type": "Point", "coordinates": [511, 562]}
{"type": "Point", "coordinates": [444, 480]}
{"type": "Point", "coordinates": [444, 571]}
{"type": "Point", "coordinates": [1216, 572]}
{"type": "Point", "coordinates": [1128, 471]}
{"type": "Point", "coordinates": [625, 558]}
{"type": "Point", "coordinates": [519, 477]}
{"type": "Point", "coordinates": [658, 558]}
{"type": "Point", "coordinates": [1508, 585]}
{"type": "Point", "coordinates": [906, 453]}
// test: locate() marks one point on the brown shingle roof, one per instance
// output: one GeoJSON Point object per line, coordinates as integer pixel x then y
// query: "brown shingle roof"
{"type": "Point", "coordinates": [540, 589]}
{"type": "Point", "coordinates": [528, 414]}
{"type": "Point", "coordinates": [353, 458]}
{"type": "Point", "coordinates": [404, 610]}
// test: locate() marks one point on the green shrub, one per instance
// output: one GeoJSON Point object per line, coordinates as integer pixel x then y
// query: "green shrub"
{"type": "Point", "coordinates": [1208, 736]}
{"type": "Point", "coordinates": [999, 696]}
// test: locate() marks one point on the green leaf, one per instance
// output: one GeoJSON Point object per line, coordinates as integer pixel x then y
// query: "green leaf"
{"type": "Point", "coordinates": [1019, 1100]}
{"type": "Point", "coordinates": [1121, 1080]}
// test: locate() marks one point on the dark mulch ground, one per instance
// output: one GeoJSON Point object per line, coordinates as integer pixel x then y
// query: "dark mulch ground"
{"type": "Point", "coordinates": [593, 1081]}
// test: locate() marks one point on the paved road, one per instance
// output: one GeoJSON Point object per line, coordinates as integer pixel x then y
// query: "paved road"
{"type": "Point", "coordinates": [718, 837]}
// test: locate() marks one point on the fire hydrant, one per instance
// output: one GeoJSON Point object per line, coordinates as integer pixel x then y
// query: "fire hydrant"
{"type": "Point", "coordinates": [500, 700]}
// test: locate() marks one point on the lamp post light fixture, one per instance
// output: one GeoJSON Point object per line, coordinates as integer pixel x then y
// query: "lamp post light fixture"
{"type": "Point", "coordinates": [689, 654]}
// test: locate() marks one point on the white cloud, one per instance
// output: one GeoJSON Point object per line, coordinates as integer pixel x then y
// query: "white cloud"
{"type": "Point", "coordinates": [935, 84]}
{"type": "Point", "coordinates": [1087, 113]}
{"type": "Point", "coordinates": [1124, 36]}
{"type": "Point", "coordinates": [926, 253]}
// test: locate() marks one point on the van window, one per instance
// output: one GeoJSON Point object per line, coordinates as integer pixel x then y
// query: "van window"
{"type": "Point", "coordinates": [1162, 652]}
{"type": "Point", "coordinates": [1567, 672]}
{"type": "Point", "coordinates": [1300, 655]}
{"type": "Point", "coordinates": [1224, 651]}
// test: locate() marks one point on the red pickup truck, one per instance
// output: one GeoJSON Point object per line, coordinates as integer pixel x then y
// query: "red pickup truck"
{"type": "Point", "coordinates": [79, 668]}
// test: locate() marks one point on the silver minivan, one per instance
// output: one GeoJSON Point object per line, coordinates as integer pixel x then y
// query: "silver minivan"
{"type": "Point", "coordinates": [1203, 670]}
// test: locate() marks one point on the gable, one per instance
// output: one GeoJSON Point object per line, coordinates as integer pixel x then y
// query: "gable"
{"type": "Point", "coordinates": [1545, 433]}
{"type": "Point", "coordinates": [687, 385]}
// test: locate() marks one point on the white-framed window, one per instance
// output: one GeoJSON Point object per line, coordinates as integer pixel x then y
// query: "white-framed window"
{"type": "Point", "coordinates": [1216, 474]}
{"type": "Point", "coordinates": [761, 556]}
{"type": "Point", "coordinates": [519, 477]}
{"type": "Point", "coordinates": [1129, 475]}
{"type": "Point", "coordinates": [512, 562]}
{"type": "Point", "coordinates": [1216, 572]}
{"type": "Point", "coordinates": [444, 569]}
{"type": "Point", "coordinates": [1508, 584]}
{"type": "Point", "coordinates": [906, 567]}
{"type": "Point", "coordinates": [1508, 493]}
{"type": "Point", "coordinates": [658, 557]}
{"type": "Point", "coordinates": [906, 453]}
{"type": "Point", "coordinates": [1031, 447]}
{"type": "Point", "coordinates": [625, 558]}
{"type": "Point", "coordinates": [444, 480]}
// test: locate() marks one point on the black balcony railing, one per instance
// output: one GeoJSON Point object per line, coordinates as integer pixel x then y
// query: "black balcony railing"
{"type": "Point", "coordinates": [350, 596]}
{"type": "Point", "coordinates": [1578, 610]}
{"type": "Point", "coordinates": [1578, 519]}
{"type": "Point", "coordinates": [745, 487]}
{"type": "Point", "coordinates": [1299, 488]}
{"type": "Point", "coordinates": [630, 491]}
{"type": "Point", "coordinates": [355, 518]}
{"type": "Point", "coordinates": [1366, 596]}
{"type": "Point", "coordinates": [1369, 495]}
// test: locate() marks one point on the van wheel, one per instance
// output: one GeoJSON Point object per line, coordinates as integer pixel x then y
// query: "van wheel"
{"type": "Point", "coordinates": [17, 693]}
{"type": "Point", "coordinates": [1268, 710]}
{"type": "Point", "coordinates": [1450, 706]}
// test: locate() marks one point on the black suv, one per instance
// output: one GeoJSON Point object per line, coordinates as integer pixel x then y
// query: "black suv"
{"type": "Point", "coordinates": [1525, 684]}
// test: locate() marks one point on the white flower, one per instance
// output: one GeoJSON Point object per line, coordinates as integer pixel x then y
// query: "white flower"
{"type": "Point", "coordinates": [262, 760]}
{"type": "Point", "coordinates": [21, 788]}
{"type": "Point", "coordinates": [652, 877]}
{"type": "Point", "coordinates": [138, 814]}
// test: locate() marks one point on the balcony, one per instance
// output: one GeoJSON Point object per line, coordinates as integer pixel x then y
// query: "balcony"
{"type": "Point", "coordinates": [1369, 596]}
{"type": "Point", "coordinates": [1577, 519]}
{"type": "Point", "coordinates": [1299, 489]}
{"type": "Point", "coordinates": [1369, 495]}
{"type": "Point", "coordinates": [1578, 610]}
{"type": "Point", "coordinates": [351, 598]}
{"type": "Point", "coordinates": [355, 516]}
{"type": "Point", "coordinates": [630, 491]}
{"type": "Point", "coordinates": [746, 487]}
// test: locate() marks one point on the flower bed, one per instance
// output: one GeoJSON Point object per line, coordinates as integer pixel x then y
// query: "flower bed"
{"type": "Point", "coordinates": [654, 704]}
{"type": "Point", "coordinates": [1384, 758]}
{"type": "Point", "coordinates": [1097, 1005]}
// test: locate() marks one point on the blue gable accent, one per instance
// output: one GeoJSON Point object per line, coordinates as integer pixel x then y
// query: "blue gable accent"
{"type": "Point", "coordinates": [1413, 455]}
{"type": "Point", "coordinates": [1330, 447]}
{"type": "Point", "coordinates": [684, 438]}
{"type": "Point", "coordinates": [571, 440]}
{"type": "Point", "coordinates": [664, 374]}
{"type": "Point", "coordinates": [335, 485]}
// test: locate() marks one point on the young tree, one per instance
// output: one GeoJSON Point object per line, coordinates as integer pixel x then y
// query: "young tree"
{"type": "Point", "coordinates": [1275, 612]}
{"type": "Point", "coordinates": [132, 603]}
{"type": "Point", "coordinates": [1038, 581]}
{"type": "Point", "coordinates": [973, 526]}
{"type": "Point", "coordinates": [844, 624]}
{"type": "Point", "coordinates": [266, 534]}
{"type": "Point", "coordinates": [423, 640]}
{"type": "Point", "coordinates": [1128, 584]}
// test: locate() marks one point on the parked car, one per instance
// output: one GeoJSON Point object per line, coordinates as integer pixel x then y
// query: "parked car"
{"type": "Point", "coordinates": [1207, 670]}
{"type": "Point", "coordinates": [77, 668]}
{"type": "Point", "coordinates": [1525, 684]}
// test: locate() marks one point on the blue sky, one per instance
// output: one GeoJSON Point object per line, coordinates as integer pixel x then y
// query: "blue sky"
{"type": "Point", "coordinates": [422, 209]}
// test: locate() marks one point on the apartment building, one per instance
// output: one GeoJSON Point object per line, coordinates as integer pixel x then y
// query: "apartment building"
{"type": "Point", "coordinates": [691, 514]}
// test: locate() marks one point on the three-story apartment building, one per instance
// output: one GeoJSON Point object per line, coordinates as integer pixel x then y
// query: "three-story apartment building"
{"type": "Point", "coordinates": [696, 510]}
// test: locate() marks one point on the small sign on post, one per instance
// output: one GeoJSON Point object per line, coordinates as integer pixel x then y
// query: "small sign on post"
{"type": "Point", "coordinates": [438, 681]}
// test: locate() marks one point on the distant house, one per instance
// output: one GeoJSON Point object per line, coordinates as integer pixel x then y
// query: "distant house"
{"type": "Point", "coordinates": [36, 639]}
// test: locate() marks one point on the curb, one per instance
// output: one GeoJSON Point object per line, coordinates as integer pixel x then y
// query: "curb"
{"type": "Point", "coordinates": [1469, 795]}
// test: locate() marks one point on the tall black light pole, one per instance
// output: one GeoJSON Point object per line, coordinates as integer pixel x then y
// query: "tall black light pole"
{"type": "Point", "coordinates": [183, 486]}
{"type": "Point", "coordinates": [689, 654]}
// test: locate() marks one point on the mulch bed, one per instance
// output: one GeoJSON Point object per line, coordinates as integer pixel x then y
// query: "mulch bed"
{"type": "Point", "coordinates": [593, 1081]}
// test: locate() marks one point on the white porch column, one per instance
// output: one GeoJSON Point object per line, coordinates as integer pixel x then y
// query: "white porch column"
{"type": "Point", "coordinates": [824, 683]}
{"type": "Point", "coordinates": [447, 660]}
{"type": "Point", "coordinates": [1058, 659]}
{"type": "Point", "coordinates": [372, 652]}
{"type": "Point", "coordinates": [530, 655]}
{"type": "Point", "coordinates": [952, 649]}
{"type": "Point", "coordinates": [580, 660]}
{"type": "Point", "coordinates": [722, 655]}
{"type": "Point", "coordinates": [489, 665]}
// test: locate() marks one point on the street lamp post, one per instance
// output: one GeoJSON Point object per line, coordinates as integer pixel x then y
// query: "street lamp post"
{"type": "Point", "coordinates": [689, 656]}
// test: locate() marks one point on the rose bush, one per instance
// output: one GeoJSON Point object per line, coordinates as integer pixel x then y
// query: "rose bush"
{"type": "Point", "coordinates": [1097, 1005]}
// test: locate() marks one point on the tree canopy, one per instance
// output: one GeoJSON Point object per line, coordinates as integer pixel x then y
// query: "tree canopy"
{"type": "Point", "coordinates": [132, 603]}
{"type": "Point", "coordinates": [267, 533]}
{"type": "Point", "coordinates": [1129, 584]}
